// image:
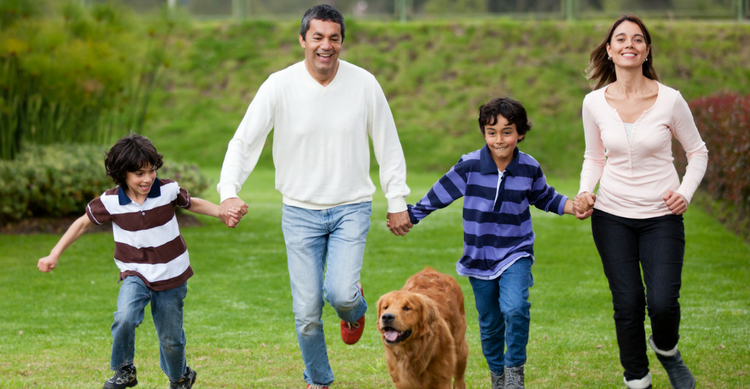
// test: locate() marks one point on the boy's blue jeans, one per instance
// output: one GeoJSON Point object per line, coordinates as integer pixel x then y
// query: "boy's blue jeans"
{"type": "Point", "coordinates": [504, 317]}
{"type": "Point", "coordinates": [330, 243]}
{"type": "Point", "coordinates": [166, 310]}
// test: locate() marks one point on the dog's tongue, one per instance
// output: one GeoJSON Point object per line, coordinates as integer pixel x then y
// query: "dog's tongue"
{"type": "Point", "coordinates": [391, 336]}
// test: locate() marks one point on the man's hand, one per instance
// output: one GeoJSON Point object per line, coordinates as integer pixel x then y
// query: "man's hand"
{"type": "Point", "coordinates": [676, 202]}
{"type": "Point", "coordinates": [399, 223]}
{"type": "Point", "coordinates": [231, 211]}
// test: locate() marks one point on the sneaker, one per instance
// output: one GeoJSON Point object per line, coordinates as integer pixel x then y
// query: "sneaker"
{"type": "Point", "coordinates": [311, 386]}
{"type": "Point", "coordinates": [187, 380]}
{"type": "Point", "coordinates": [679, 375]}
{"type": "Point", "coordinates": [514, 377]}
{"type": "Point", "coordinates": [351, 332]}
{"type": "Point", "coordinates": [124, 378]}
{"type": "Point", "coordinates": [498, 380]}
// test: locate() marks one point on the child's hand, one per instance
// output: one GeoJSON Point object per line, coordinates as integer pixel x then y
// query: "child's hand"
{"type": "Point", "coordinates": [238, 209]}
{"type": "Point", "coordinates": [235, 215]}
{"type": "Point", "coordinates": [47, 263]}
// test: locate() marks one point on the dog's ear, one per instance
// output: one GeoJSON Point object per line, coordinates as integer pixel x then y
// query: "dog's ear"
{"type": "Point", "coordinates": [430, 314]}
{"type": "Point", "coordinates": [381, 301]}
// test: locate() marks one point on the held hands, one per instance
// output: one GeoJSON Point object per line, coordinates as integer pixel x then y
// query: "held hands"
{"type": "Point", "coordinates": [399, 223]}
{"type": "Point", "coordinates": [231, 211]}
{"type": "Point", "coordinates": [583, 205]}
{"type": "Point", "coordinates": [676, 202]}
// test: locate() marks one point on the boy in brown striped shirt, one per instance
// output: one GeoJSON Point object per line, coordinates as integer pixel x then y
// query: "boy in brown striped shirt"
{"type": "Point", "coordinates": [150, 253]}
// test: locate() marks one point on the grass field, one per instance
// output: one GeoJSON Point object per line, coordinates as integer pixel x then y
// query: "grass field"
{"type": "Point", "coordinates": [54, 328]}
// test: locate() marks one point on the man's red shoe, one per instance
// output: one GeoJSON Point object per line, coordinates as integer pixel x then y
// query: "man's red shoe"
{"type": "Point", "coordinates": [351, 332]}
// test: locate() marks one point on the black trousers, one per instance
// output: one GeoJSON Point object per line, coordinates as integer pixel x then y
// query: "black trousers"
{"type": "Point", "coordinates": [655, 246]}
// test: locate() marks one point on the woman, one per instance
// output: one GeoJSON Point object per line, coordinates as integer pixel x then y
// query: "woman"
{"type": "Point", "coordinates": [629, 121]}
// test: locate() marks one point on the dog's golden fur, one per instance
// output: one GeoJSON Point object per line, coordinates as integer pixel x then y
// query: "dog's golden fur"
{"type": "Point", "coordinates": [423, 328]}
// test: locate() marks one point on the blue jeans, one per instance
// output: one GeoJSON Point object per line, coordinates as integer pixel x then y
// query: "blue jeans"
{"type": "Point", "coordinates": [504, 317]}
{"type": "Point", "coordinates": [657, 247]}
{"type": "Point", "coordinates": [325, 249]}
{"type": "Point", "coordinates": [166, 310]}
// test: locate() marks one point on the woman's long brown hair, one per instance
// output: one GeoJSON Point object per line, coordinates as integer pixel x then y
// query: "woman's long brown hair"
{"type": "Point", "coordinates": [601, 69]}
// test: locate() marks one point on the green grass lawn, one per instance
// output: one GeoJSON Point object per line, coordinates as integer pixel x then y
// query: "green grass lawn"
{"type": "Point", "coordinates": [54, 328]}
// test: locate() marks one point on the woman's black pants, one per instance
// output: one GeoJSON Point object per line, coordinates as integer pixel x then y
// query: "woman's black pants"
{"type": "Point", "coordinates": [655, 246]}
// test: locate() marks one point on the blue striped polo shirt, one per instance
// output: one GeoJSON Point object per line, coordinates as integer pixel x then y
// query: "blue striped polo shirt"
{"type": "Point", "coordinates": [496, 220]}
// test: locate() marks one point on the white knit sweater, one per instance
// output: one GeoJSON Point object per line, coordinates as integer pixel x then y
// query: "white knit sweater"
{"type": "Point", "coordinates": [320, 144]}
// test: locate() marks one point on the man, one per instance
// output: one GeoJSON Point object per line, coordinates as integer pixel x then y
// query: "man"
{"type": "Point", "coordinates": [322, 110]}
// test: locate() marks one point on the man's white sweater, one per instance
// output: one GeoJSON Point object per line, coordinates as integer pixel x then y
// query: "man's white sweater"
{"type": "Point", "coordinates": [320, 144]}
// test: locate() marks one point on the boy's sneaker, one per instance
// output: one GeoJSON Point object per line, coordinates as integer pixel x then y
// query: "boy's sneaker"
{"type": "Point", "coordinates": [311, 386]}
{"type": "Point", "coordinates": [124, 378]}
{"type": "Point", "coordinates": [351, 332]}
{"type": "Point", "coordinates": [514, 377]}
{"type": "Point", "coordinates": [187, 380]}
{"type": "Point", "coordinates": [498, 380]}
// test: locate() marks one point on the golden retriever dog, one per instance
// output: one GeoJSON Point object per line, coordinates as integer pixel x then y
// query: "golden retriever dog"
{"type": "Point", "coordinates": [423, 327]}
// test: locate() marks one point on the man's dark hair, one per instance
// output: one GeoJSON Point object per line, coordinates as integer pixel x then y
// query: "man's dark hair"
{"type": "Point", "coordinates": [508, 108]}
{"type": "Point", "coordinates": [322, 12]}
{"type": "Point", "coordinates": [130, 154]}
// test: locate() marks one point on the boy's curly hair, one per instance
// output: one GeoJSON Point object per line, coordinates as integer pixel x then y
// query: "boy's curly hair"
{"type": "Point", "coordinates": [130, 154]}
{"type": "Point", "coordinates": [508, 108]}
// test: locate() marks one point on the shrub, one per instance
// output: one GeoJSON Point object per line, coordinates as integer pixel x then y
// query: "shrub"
{"type": "Point", "coordinates": [59, 180]}
{"type": "Point", "coordinates": [76, 74]}
{"type": "Point", "coordinates": [723, 121]}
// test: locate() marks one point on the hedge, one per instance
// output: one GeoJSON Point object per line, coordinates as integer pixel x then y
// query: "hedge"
{"type": "Point", "coordinates": [59, 180]}
{"type": "Point", "coordinates": [724, 123]}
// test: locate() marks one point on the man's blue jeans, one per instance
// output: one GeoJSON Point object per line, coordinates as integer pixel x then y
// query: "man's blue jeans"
{"type": "Point", "coordinates": [325, 249]}
{"type": "Point", "coordinates": [166, 310]}
{"type": "Point", "coordinates": [504, 317]}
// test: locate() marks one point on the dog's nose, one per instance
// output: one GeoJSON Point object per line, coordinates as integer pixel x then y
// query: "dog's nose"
{"type": "Point", "coordinates": [388, 317]}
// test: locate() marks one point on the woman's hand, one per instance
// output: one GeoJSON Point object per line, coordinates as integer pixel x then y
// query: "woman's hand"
{"type": "Point", "coordinates": [583, 205]}
{"type": "Point", "coordinates": [676, 202]}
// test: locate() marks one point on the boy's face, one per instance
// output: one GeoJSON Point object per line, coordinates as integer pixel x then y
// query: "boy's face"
{"type": "Point", "coordinates": [502, 139]}
{"type": "Point", "coordinates": [139, 182]}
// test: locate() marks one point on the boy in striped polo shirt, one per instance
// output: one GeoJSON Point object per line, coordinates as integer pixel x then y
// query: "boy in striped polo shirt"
{"type": "Point", "coordinates": [150, 252]}
{"type": "Point", "coordinates": [499, 183]}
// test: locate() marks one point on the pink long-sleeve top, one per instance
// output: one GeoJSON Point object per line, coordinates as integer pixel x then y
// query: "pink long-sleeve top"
{"type": "Point", "coordinates": [634, 174]}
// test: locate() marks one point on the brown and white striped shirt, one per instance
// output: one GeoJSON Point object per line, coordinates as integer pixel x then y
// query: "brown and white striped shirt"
{"type": "Point", "coordinates": [148, 243]}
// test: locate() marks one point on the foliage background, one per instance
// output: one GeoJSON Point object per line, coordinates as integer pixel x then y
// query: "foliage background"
{"type": "Point", "coordinates": [725, 119]}
{"type": "Point", "coordinates": [435, 74]}
{"type": "Point", "coordinates": [75, 74]}
{"type": "Point", "coordinates": [424, 9]}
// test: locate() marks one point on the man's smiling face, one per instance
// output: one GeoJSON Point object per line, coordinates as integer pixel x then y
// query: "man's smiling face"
{"type": "Point", "coordinates": [322, 44]}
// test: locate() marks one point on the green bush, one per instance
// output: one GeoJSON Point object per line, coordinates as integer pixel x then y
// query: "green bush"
{"type": "Point", "coordinates": [59, 180]}
{"type": "Point", "coordinates": [77, 74]}
{"type": "Point", "coordinates": [723, 121]}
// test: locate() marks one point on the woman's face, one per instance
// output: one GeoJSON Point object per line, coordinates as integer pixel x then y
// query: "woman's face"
{"type": "Point", "coordinates": [628, 46]}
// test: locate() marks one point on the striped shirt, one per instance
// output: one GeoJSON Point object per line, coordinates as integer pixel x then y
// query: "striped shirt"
{"type": "Point", "coordinates": [496, 215]}
{"type": "Point", "coordinates": [148, 243]}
